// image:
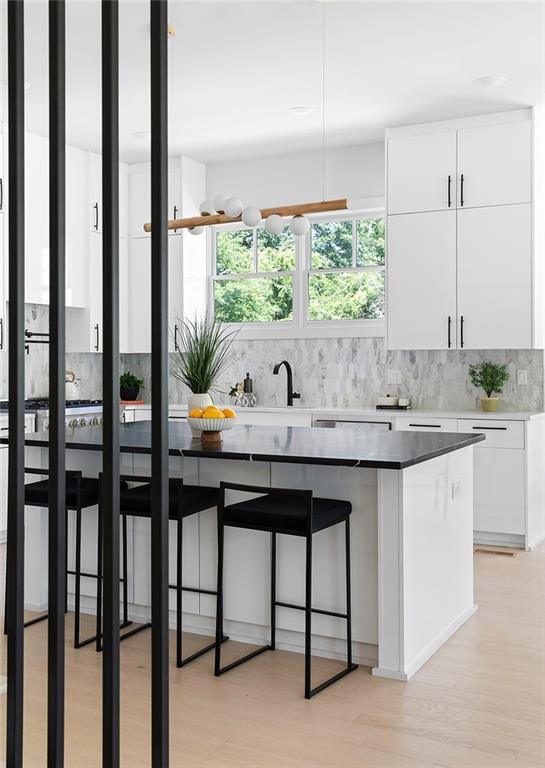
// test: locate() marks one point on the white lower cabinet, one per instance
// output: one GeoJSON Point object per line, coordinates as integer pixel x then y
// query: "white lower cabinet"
{"type": "Point", "coordinates": [417, 424]}
{"type": "Point", "coordinates": [509, 481]}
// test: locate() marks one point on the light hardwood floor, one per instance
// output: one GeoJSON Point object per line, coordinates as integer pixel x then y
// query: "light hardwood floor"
{"type": "Point", "coordinates": [478, 702]}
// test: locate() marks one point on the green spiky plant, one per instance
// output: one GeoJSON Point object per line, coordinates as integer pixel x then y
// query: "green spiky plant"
{"type": "Point", "coordinates": [489, 376]}
{"type": "Point", "coordinates": [205, 351]}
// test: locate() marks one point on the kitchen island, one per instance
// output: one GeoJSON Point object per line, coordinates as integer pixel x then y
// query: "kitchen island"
{"type": "Point", "coordinates": [412, 540]}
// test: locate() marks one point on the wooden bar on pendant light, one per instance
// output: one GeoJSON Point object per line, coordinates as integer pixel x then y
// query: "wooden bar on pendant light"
{"type": "Point", "coordinates": [300, 209]}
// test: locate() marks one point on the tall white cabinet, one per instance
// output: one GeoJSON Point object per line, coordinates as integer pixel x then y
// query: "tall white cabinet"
{"type": "Point", "coordinates": [464, 262]}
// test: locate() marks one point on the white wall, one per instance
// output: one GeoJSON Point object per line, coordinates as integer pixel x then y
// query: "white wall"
{"type": "Point", "coordinates": [351, 172]}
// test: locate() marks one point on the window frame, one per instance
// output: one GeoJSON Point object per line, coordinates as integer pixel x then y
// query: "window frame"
{"type": "Point", "coordinates": [301, 326]}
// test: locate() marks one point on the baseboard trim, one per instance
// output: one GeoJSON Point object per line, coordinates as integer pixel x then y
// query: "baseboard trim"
{"type": "Point", "coordinates": [491, 539]}
{"type": "Point", "coordinates": [427, 653]}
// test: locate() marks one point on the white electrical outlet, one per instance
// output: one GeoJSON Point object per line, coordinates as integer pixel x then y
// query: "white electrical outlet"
{"type": "Point", "coordinates": [456, 489]}
{"type": "Point", "coordinates": [393, 377]}
{"type": "Point", "coordinates": [522, 378]}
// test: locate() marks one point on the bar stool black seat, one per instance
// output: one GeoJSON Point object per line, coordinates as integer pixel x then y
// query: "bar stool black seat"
{"type": "Point", "coordinates": [184, 501]}
{"type": "Point", "coordinates": [292, 512]}
{"type": "Point", "coordinates": [81, 492]}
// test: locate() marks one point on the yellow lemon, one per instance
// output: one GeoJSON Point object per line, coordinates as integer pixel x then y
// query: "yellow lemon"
{"type": "Point", "coordinates": [213, 415]}
{"type": "Point", "coordinates": [229, 413]}
{"type": "Point", "coordinates": [195, 413]}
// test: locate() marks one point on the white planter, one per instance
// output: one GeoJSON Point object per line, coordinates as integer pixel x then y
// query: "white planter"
{"type": "Point", "coordinates": [198, 401]}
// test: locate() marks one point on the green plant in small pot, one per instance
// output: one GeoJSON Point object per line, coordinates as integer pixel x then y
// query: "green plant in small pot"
{"type": "Point", "coordinates": [129, 386]}
{"type": "Point", "coordinates": [204, 352]}
{"type": "Point", "coordinates": [491, 377]}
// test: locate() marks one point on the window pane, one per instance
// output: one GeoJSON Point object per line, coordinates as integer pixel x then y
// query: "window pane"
{"type": "Point", "coordinates": [332, 244]}
{"type": "Point", "coordinates": [254, 300]}
{"type": "Point", "coordinates": [346, 296]}
{"type": "Point", "coordinates": [275, 253]}
{"type": "Point", "coordinates": [370, 242]}
{"type": "Point", "coordinates": [234, 252]}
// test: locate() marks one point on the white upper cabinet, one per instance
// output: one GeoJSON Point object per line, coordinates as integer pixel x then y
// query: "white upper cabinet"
{"type": "Point", "coordinates": [140, 197]}
{"type": "Point", "coordinates": [422, 281]}
{"type": "Point", "coordinates": [422, 173]}
{"type": "Point", "coordinates": [495, 277]}
{"type": "Point", "coordinates": [479, 263]}
{"type": "Point", "coordinates": [95, 210]}
{"type": "Point", "coordinates": [495, 165]}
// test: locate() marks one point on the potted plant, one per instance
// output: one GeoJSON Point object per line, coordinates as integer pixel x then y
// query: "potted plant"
{"type": "Point", "coordinates": [204, 352]}
{"type": "Point", "coordinates": [129, 386]}
{"type": "Point", "coordinates": [491, 377]}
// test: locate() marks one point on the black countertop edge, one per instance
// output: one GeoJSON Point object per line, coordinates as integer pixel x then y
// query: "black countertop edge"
{"type": "Point", "coordinates": [200, 452]}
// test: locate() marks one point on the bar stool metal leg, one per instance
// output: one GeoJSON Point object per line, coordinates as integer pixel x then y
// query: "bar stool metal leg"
{"type": "Point", "coordinates": [98, 638]}
{"type": "Point", "coordinates": [273, 590]}
{"type": "Point", "coordinates": [77, 603]}
{"type": "Point", "coordinates": [308, 617]}
{"type": "Point", "coordinates": [179, 573]}
{"type": "Point", "coordinates": [126, 621]}
{"type": "Point", "coordinates": [348, 598]}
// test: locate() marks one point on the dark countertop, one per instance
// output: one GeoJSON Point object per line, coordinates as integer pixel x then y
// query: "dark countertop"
{"type": "Point", "coordinates": [300, 445]}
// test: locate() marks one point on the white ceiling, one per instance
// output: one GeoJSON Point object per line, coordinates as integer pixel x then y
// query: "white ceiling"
{"type": "Point", "coordinates": [235, 69]}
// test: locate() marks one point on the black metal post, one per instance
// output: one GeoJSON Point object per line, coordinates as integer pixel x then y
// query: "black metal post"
{"type": "Point", "coordinates": [159, 385]}
{"type": "Point", "coordinates": [110, 293]}
{"type": "Point", "coordinates": [16, 455]}
{"type": "Point", "coordinates": [57, 440]}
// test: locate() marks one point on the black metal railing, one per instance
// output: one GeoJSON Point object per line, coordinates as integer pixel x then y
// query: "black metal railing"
{"type": "Point", "coordinates": [57, 445]}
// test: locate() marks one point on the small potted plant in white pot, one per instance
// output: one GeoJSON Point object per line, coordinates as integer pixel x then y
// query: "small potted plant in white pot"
{"type": "Point", "coordinates": [204, 352]}
{"type": "Point", "coordinates": [491, 377]}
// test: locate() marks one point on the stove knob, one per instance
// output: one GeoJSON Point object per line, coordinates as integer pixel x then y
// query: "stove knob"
{"type": "Point", "coordinates": [83, 422]}
{"type": "Point", "coordinates": [74, 423]}
{"type": "Point", "coordinates": [101, 420]}
{"type": "Point", "coordinates": [93, 422]}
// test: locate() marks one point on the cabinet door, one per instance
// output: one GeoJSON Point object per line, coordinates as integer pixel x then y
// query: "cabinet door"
{"type": "Point", "coordinates": [499, 490]}
{"type": "Point", "coordinates": [496, 162]}
{"type": "Point", "coordinates": [95, 293]}
{"type": "Point", "coordinates": [76, 228]}
{"type": "Point", "coordinates": [418, 173]}
{"type": "Point", "coordinates": [140, 200]}
{"type": "Point", "coordinates": [418, 424]}
{"type": "Point", "coordinates": [36, 220]}
{"type": "Point", "coordinates": [139, 298]}
{"type": "Point", "coordinates": [422, 281]}
{"type": "Point", "coordinates": [495, 277]}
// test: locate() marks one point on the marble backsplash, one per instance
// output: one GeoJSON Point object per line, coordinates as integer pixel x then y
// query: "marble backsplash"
{"type": "Point", "coordinates": [327, 372]}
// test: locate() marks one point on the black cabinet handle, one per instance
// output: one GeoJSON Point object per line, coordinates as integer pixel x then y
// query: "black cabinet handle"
{"type": "Point", "coordinates": [176, 347]}
{"type": "Point", "coordinates": [449, 186]}
{"type": "Point", "coordinates": [462, 191]}
{"type": "Point", "coordinates": [175, 211]}
{"type": "Point", "coordinates": [97, 343]}
{"type": "Point", "coordinates": [497, 429]}
{"type": "Point", "coordinates": [448, 327]}
{"type": "Point", "coordinates": [1, 333]}
{"type": "Point", "coordinates": [95, 206]}
{"type": "Point", "coordinates": [433, 426]}
{"type": "Point", "coordinates": [1, 194]}
{"type": "Point", "coordinates": [462, 331]}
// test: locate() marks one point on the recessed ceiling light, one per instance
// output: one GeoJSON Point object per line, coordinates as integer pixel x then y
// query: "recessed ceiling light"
{"type": "Point", "coordinates": [141, 135]}
{"type": "Point", "coordinates": [299, 111]}
{"type": "Point", "coordinates": [490, 81]}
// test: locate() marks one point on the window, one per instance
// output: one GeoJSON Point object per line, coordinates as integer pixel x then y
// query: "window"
{"type": "Point", "coordinates": [346, 274]}
{"type": "Point", "coordinates": [253, 281]}
{"type": "Point", "coordinates": [330, 282]}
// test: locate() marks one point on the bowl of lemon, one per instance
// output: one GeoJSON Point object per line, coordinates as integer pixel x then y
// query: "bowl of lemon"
{"type": "Point", "coordinates": [211, 422]}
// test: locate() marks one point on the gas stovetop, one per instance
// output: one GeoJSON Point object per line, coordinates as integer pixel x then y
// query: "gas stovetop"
{"type": "Point", "coordinates": [42, 404]}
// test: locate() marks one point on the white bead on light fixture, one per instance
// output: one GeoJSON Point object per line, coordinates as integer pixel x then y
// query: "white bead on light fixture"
{"type": "Point", "coordinates": [251, 216]}
{"type": "Point", "coordinates": [195, 230]}
{"type": "Point", "coordinates": [233, 206]}
{"type": "Point", "coordinates": [206, 208]}
{"type": "Point", "coordinates": [219, 203]}
{"type": "Point", "coordinates": [274, 224]}
{"type": "Point", "coordinates": [299, 225]}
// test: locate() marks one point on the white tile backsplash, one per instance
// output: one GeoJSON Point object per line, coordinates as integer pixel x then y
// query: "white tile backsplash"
{"type": "Point", "coordinates": [327, 372]}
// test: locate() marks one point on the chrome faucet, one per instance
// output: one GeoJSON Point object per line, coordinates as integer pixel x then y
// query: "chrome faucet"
{"type": "Point", "coordinates": [291, 394]}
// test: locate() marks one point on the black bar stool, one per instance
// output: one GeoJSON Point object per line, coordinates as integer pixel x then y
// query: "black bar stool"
{"type": "Point", "coordinates": [184, 501]}
{"type": "Point", "coordinates": [294, 513]}
{"type": "Point", "coordinates": [81, 492]}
